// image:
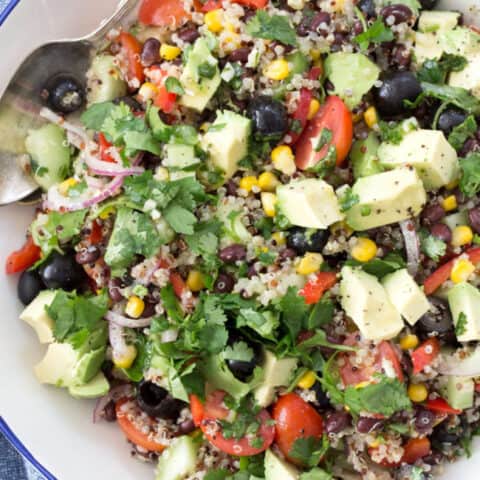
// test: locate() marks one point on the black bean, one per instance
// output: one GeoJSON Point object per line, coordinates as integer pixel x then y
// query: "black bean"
{"type": "Point", "coordinates": [441, 231]}
{"type": "Point", "coordinates": [62, 271]}
{"type": "Point", "coordinates": [439, 319]}
{"type": "Point", "coordinates": [402, 56]}
{"type": "Point", "coordinates": [224, 283]}
{"type": "Point", "coordinates": [367, 7]}
{"type": "Point", "coordinates": [149, 310]}
{"type": "Point", "coordinates": [186, 427]}
{"type": "Point", "coordinates": [424, 420]}
{"type": "Point", "coordinates": [109, 412]}
{"type": "Point", "coordinates": [337, 422]}
{"type": "Point", "coordinates": [433, 214]}
{"type": "Point", "coordinates": [474, 218]}
{"type": "Point", "coordinates": [64, 94]}
{"type": "Point", "coordinates": [233, 253]}
{"type": "Point", "coordinates": [318, 22]}
{"type": "Point", "coordinates": [428, 4]}
{"type": "Point", "coordinates": [287, 253]}
{"type": "Point", "coordinates": [471, 145]}
{"type": "Point", "coordinates": [114, 286]}
{"type": "Point", "coordinates": [321, 396]}
{"type": "Point", "coordinates": [88, 255]}
{"type": "Point", "coordinates": [188, 34]}
{"type": "Point", "coordinates": [368, 424]}
{"type": "Point", "coordinates": [240, 55]}
{"type": "Point", "coordinates": [150, 52]}
{"type": "Point", "coordinates": [450, 118]}
{"type": "Point", "coordinates": [400, 13]}
{"type": "Point", "coordinates": [29, 286]}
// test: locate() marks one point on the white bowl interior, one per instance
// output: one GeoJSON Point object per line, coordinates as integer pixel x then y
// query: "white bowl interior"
{"type": "Point", "coordinates": [57, 429]}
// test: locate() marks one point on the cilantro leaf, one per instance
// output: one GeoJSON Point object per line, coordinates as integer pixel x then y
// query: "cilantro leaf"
{"type": "Point", "coordinates": [393, 132]}
{"type": "Point", "coordinates": [436, 71]}
{"type": "Point", "coordinates": [275, 27]}
{"type": "Point", "coordinates": [432, 246]}
{"type": "Point", "coordinates": [380, 266]}
{"type": "Point", "coordinates": [294, 311]}
{"type": "Point", "coordinates": [321, 314]}
{"type": "Point", "coordinates": [239, 351]}
{"type": "Point", "coordinates": [470, 180]}
{"type": "Point", "coordinates": [173, 85]}
{"type": "Point", "coordinates": [348, 199]}
{"type": "Point", "coordinates": [94, 117]}
{"type": "Point", "coordinates": [461, 326]}
{"type": "Point", "coordinates": [462, 132]}
{"type": "Point", "coordinates": [50, 230]}
{"type": "Point", "coordinates": [309, 450]}
{"type": "Point", "coordinates": [142, 360]}
{"type": "Point", "coordinates": [319, 339]}
{"type": "Point", "coordinates": [377, 33]}
{"type": "Point", "coordinates": [204, 242]}
{"type": "Point", "coordinates": [264, 323]}
{"type": "Point", "coordinates": [386, 397]}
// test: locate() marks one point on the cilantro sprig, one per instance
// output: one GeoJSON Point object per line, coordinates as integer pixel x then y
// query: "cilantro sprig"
{"type": "Point", "coordinates": [274, 27]}
{"type": "Point", "coordinates": [377, 33]}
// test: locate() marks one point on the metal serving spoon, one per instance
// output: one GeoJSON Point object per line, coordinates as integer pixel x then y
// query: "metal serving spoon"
{"type": "Point", "coordinates": [21, 102]}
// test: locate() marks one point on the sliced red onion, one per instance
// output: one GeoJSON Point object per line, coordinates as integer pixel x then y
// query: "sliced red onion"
{"type": "Point", "coordinates": [109, 169]}
{"type": "Point", "coordinates": [467, 367]}
{"type": "Point", "coordinates": [412, 245]}
{"type": "Point", "coordinates": [115, 394]}
{"type": "Point", "coordinates": [128, 322]}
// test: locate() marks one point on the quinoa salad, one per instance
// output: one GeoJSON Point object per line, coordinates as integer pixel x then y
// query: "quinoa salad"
{"type": "Point", "coordinates": [258, 238]}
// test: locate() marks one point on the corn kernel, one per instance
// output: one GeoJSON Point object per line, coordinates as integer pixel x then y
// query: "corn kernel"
{"type": "Point", "coordinates": [310, 263]}
{"type": "Point", "coordinates": [279, 238]}
{"type": "Point", "coordinates": [417, 392]}
{"type": "Point", "coordinates": [450, 203]}
{"type": "Point", "coordinates": [315, 54]}
{"type": "Point", "coordinates": [127, 359]}
{"type": "Point", "coordinates": [107, 212]}
{"type": "Point", "coordinates": [135, 307]}
{"type": "Point", "coordinates": [462, 235]}
{"type": "Point", "coordinates": [284, 160]}
{"type": "Point", "coordinates": [364, 249]}
{"type": "Point", "coordinates": [307, 380]}
{"type": "Point", "coordinates": [169, 52]}
{"type": "Point", "coordinates": [248, 182]}
{"type": "Point", "coordinates": [370, 116]}
{"type": "Point", "coordinates": [313, 108]}
{"type": "Point", "coordinates": [268, 203]}
{"type": "Point", "coordinates": [277, 70]}
{"type": "Point", "coordinates": [409, 342]}
{"type": "Point", "coordinates": [195, 281]}
{"type": "Point", "coordinates": [214, 20]}
{"type": "Point", "coordinates": [461, 270]}
{"type": "Point", "coordinates": [375, 443]}
{"type": "Point", "coordinates": [268, 182]}
{"type": "Point", "coordinates": [66, 185]}
{"type": "Point", "coordinates": [148, 91]}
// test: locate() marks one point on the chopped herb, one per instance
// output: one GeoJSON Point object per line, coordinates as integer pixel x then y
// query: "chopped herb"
{"type": "Point", "coordinates": [207, 70]}
{"type": "Point", "coordinates": [267, 258]}
{"type": "Point", "coordinates": [239, 351]}
{"type": "Point", "coordinates": [380, 266]}
{"type": "Point", "coordinates": [377, 33]}
{"type": "Point", "coordinates": [275, 27]}
{"type": "Point", "coordinates": [470, 180]}
{"type": "Point", "coordinates": [140, 291]}
{"type": "Point", "coordinates": [462, 132]}
{"type": "Point", "coordinates": [436, 71]}
{"type": "Point", "coordinates": [321, 314]}
{"type": "Point", "coordinates": [392, 132]}
{"type": "Point", "coordinates": [365, 211]}
{"type": "Point", "coordinates": [309, 450]}
{"type": "Point", "coordinates": [324, 139]}
{"type": "Point", "coordinates": [296, 126]}
{"type": "Point", "coordinates": [348, 199]}
{"type": "Point", "coordinates": [461, 326]}
{"type": "Point", "coordinates": [326, 164]}
{"type": "Point", "coordinates": [173, 85]}
{"type": "Point", "coordinates": [432, 246]}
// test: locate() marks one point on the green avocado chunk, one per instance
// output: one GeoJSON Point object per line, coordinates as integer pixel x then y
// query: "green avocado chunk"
{"type": "Point", "coordinates": [96, 387]}
{"type": "Point", "coordinates": [279, 469]}
{"type": "Point", "coordinates": [364, 157]}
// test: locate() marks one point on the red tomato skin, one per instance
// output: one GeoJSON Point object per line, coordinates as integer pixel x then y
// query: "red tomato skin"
{"type": "Point", "coordinates": [441, 407]}
{"type": "Point", "coordinates": [294, 419]}
{"type": "Point", "coordinates": [133, 49]}
{"type": "Point", "coordinates": [314, 289]}
{"type": "Point", "coordinates": [165, 100]}
{"type": "Point", "coordinates": [96, 234]}
{"type": "Point", "coordinates": [24, 258]}
{"type": "Point", "coordinates": [415, 449]}
{"type": "Point", "coordinates": [104, 146]}
{"type": "Point", "coordinates": [178, 284]}
{"type": "Point", "coordinates": [162, 13]}
{"type": "Point", "coordinates": [197, 409]}
{"type": "Point", "coordinates": [335, 116]}
{"type": "Point", "coordinates": [425, 354]}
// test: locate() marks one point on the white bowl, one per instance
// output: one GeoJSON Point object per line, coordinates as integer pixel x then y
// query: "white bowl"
{"type": "Point", "coordinates": [56, 430]}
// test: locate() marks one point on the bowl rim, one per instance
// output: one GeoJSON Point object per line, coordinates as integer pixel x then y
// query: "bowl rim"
{"type": "Point", "coordinates": [7, 10]}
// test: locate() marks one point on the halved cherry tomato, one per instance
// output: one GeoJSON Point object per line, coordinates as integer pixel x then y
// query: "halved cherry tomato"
{"type": "Point", "coordinates": [294, 419]}
{"type": "Point", "coordinates": [314, 289]}
{"type": "Point", "coordinates": [440, 406]}
{"type": "Point", "coordinates": [165, 100]}
{"type": "Point", "coordinates": [425, 354]}
{"type": "Point", "coordinates": [96, 234]}
{"type": "Point", "coordinates": [442, 274]}
{"type": "Point", "coordinates": [133, 49]}
{"type": "Point", "coordinates": [178, 284]}
{"type": "Point", "coordinates": [415, 449]}
{"type": "Point", "coordinates": [104, 146]}
{"type": "Point", "coordinates": [162, 13]}
{"type": "Point", "coordinates": [384, 352]}
{"type": "Point", "coordinates": [213, 410]}
{"type": "Point", "coordinates": [252, 3]}
{"type": "Point", "coordinates": [24, 258]}
{"type": "Point", "coordinates": [136, 436]}
{"type": "Point", "coordinates": [334, 116]}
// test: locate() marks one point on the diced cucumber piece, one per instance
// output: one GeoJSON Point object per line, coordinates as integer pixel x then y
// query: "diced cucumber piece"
{"type": "Point", "coordinates": [105, 82]}
{"type": "Point", "coordinates": [178, 461]}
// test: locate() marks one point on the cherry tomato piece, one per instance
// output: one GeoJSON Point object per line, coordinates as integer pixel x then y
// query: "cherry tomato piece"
{"type": "Point", "coordinates": [415, 449]}
{"type": "Point", "coordinates": [162, 13]}
{"type": "Point", "coordinates": [133, 50]}
{"type": "Point", "coordinates": [104, 146]}
{"type": "Point", "coordinates": [425, 354]}
{"type": "Point", "coordinates": [440, 406]}
{"type": "Point", "coordinates": [24, 258]}
{"type": "Point", "coordinates": [314, 289]}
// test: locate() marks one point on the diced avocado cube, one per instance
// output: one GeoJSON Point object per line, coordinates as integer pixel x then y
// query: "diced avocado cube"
{"type": "Point", "coordinates": [277, 372]}
{"type": "Point", "coordinates": [437, 21]}
{"type": "Point", "coordinates": [352, 74]}
{"type": "Point", "coordinates": [104, 80]}
{"type": "Point", "coordinates": [460, 41]}
{"type": "Point", "coordinates": [95, 388]}
{"type": "Point", "coordinates": [460, 392]}
{"type": "Point", "coordinates": [179, 157]}
{"type": "Point", "coordinates": [36, 316]}
{"type": "Point", "coordinates": [227, 141]}
{"type": "Point", "coordinates": [427, 47]}
{"type": "Point", "coordinates": [277, 468]}
{"type": "Point", "coordinates": [364, 157]}
{"type": "Point", "coordinates": [405, 295]}
{"type": "Point", "coordinates": [469, 77]}
{"type": "Point", "coordinates": [366, 302]}
{"type": "Point", "coordinates": [221, 378]}
{"type": "Point", "coordinates": [167, 377]}
{"type": "Point", "coordinates": [49, 153]}
{"type": "Point", "coordinates": [199, 89]}
{"type": "Point", "coordinates": [179, 460]}
{"type": "Point", "coordinates": [386, 198]}
{"type": "Point", "coordinates": [88, 366]}
{"type": "Point", "coordinates": [464, 301]}
{"type": "Point", "coordinates": [429, 152]}
{"type": "Point", "coordinates": [58, 365]}
{"type": "Point", "coordinates": [309, 203]}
